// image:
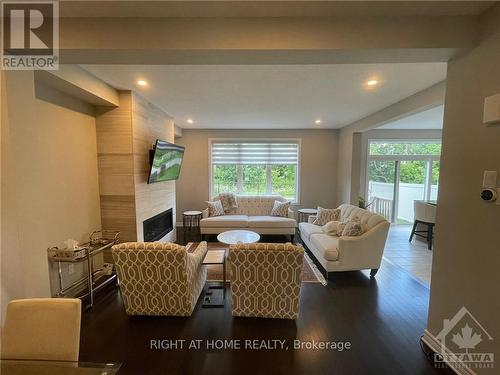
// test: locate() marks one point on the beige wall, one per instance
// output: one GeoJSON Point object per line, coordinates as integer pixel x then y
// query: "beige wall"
{"type": "Point", "coordinates": [49, 184]}
{"type": "Point", "coordinates": [467, 250]}
{"type": "Point", "coordinates": [318, 165]}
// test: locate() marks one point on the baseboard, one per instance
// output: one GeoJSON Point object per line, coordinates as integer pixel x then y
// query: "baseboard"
{"type": "Point", "coordinates": [435, 346]}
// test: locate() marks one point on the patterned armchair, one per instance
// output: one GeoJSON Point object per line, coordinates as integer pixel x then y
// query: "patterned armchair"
{"type": "Point", "coordinates": [265, 279]}
{"type": "Point", "coordinates": [159, 278]}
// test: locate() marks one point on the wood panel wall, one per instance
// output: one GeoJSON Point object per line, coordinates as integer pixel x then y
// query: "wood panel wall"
{"type": "Point", "coordinates": [150, 123]}
{"type": "Point", "coordinates": [124, 137]}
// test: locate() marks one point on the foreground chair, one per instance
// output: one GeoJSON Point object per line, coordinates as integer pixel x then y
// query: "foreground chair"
{"type": "Point", "coordinates": [266, 279]}
{"type": "Point", "coordinates": [159, 278]}
{"type": "Point", "coordinates": [42, 329]}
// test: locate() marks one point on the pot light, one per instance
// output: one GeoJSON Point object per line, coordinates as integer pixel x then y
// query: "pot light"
{"type": "Point", "coordinates": [142, 82]}
{"type": "Point", "coordinates": [190, 121]}
{"type": "Point", "coordinates": [317, 121]}
{"type": "Point", "coordinates": [372, 82]}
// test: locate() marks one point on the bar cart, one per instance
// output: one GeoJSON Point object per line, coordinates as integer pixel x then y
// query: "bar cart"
{"type": "Point", "coordinates": [94, 280]}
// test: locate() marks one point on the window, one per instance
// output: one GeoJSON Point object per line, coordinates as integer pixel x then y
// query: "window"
{"type": "Point", "coordinates": [255, 168]}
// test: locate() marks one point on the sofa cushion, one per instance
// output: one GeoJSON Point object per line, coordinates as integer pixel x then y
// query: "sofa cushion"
{"type": "Point", "coordinates": [325, 215]}
{"type": "Point", "coordinates": [271, 222]}
{"type": "Point", "coordinates": [328, 245]}
{"type": "Point", "coordinates": [215, 208]}
{"type": "Point", "coordinates": [367, 219]}
{"type": "Point", "coordinates": [333, 228]}
{"type": "Point", "coordinates": [280, 209]}
{"type": "Point", "coordinates": [225, 221]}
{"type": "Point", "coordinates": [307, 229]}
{"type": "Point", "coordinates": [352, 229]}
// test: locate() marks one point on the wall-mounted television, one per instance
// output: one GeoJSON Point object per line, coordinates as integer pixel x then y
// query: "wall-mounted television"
{"type": "Point", "coordinates": [166, 162]}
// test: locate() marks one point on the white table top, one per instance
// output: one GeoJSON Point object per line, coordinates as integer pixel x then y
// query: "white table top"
{"type": "Point", "coordinates": [232, 237]}
{"type": "Point", "coordinates": [192, 213]}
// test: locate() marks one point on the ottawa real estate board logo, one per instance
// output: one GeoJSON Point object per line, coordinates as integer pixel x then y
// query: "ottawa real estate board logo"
{"type": "Point", "coordinates": [30, 35]}
{"type": "Point", "coordinates": [463, 341]}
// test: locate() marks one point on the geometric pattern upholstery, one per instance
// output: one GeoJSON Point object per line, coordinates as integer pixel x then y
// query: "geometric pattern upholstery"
{"type": "Point", "coordinates": [158, 278]}
{"type": "Point", "coordinates": [266, 279]}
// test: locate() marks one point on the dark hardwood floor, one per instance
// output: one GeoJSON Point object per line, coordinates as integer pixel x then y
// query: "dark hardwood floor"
{"type": "Point", "coordinates": [382, 318]}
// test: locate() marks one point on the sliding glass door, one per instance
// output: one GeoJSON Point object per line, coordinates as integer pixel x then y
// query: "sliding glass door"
{"type": "Point", "coordinates": [399, 173]}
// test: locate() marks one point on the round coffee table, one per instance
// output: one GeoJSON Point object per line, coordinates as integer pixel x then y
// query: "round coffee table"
{"type": "Point", "coordinates": [232, 237]}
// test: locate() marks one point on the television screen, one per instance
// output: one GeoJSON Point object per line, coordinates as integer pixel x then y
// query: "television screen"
{"type": "Point", "coordinates": [166, 162]}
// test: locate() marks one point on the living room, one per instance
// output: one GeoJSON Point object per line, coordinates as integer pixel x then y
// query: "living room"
{"type": "Point", "coordinates": [157, 185]}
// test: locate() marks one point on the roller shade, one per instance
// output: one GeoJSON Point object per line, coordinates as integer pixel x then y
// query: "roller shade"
{"type": "Point", "coordinates": [256, 153]}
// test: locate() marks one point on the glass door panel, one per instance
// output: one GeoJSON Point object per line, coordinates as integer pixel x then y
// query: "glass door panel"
{"type": "Point", "coordinates": [411, 187]}
{"type": "Point", "coordinates": [435, 180]}
{"type": "Point", "coordinates": [381, 180]}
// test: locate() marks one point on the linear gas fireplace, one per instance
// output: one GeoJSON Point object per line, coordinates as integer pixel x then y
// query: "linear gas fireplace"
{"type": "Point", "coordinates": [158, 226]}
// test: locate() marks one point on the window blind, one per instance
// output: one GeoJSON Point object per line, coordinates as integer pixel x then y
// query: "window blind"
{"type": "Point", "coordinates": [255, 153]}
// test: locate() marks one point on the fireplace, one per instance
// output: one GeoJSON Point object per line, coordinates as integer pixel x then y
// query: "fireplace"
{"type": "Point", "coordinates": [158, 226]}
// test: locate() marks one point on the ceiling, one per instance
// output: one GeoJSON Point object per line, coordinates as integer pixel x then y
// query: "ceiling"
{"type": "Point", "coordinates": [271, 96]}
{"type": "Point", "coordinates": [429, 119]}
{"type": "Point", "coordinates": [270, 8]}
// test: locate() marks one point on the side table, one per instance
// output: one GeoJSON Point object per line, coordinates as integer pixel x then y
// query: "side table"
{"type": "Point", "coordinates": [191, 220]}
{"type": "Point", "coordinates": [304, 213]}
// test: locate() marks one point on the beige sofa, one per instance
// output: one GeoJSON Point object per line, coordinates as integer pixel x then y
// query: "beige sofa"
{"type": "Point", "coordinates": [266, 279]}
{"type": "Point", "coordinates": [348, 253]}
{"type": "Point", "coordinates": [159, 278]}
{"type": "Point", "coordinates": [253, 213]}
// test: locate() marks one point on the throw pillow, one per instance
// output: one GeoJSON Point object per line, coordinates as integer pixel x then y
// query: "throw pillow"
{"type": "Point", "coordinates": [333, 228]}
{"type": "Point", "coordinates": [325, 215]}
{"type": "Point", "coordinates": [215, 208]}
{"type": "Point", "coordinates": [352, 229]}
{"type": "Point", "coordinates": [280, 209]}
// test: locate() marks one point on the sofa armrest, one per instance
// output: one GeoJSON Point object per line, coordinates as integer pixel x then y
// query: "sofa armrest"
{"type": "Point", "coordinates": [291, 214]}
{"type": "Point", "coordinates": [311, 218]}
{"type": "Point", "coordinates": [205, 213]}
{"type": "Point", "coordinates": [366, 250]}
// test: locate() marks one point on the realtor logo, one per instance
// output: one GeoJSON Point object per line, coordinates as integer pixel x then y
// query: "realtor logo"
{"type": "Point", "coordinates": [461, 339]}
{"type": "Point", "coordinates": [30, 35]}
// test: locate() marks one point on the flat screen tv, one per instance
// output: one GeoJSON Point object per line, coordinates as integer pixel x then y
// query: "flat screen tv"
{"type": "Point", "coordinates": [166, 162]}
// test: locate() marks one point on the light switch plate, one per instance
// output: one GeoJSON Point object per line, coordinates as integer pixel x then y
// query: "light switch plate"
{"type": "Point", "coordinates": [490, 179]}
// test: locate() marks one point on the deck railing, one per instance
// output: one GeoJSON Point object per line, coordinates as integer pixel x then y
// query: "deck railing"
{"type": "Point", "coordinates": [382, 207]}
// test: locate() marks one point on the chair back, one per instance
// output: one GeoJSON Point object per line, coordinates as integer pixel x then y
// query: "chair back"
{"type": "Point", "coordinates": [42, 329]}
{"type": "Point", "coordinates": [266, 279]}
{"type": "Point", "coordinates": [153, 277]}
{"type": "Point", "coordinates": [424, 211]}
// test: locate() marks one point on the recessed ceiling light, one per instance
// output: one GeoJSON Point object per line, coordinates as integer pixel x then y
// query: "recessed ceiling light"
{"type": "Point", "coordinates": [317, 121]}
{"type": "Point", "coordinates": [142, 82]}
{"type": "Point", "coordinates": [189, 121]}
{"type": "Point", "coordinates": [372, 82]}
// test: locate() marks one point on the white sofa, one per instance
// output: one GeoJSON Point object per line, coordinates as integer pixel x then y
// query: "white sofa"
{"type": "Point", "coordinates": [348, 253]}
{"type": "Point", "coordinates": [253, 213]}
